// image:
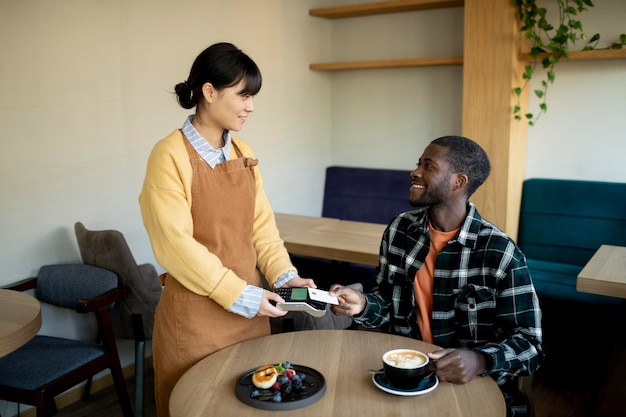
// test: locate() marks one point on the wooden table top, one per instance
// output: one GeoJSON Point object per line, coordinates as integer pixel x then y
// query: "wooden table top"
{"type": "Point", "coordinates": [343, 357]}
{"type": "Point", "coordinates": [322, 237]}
{"type": "Point", "coordinates": [290, 224]}
{"type": "Point", "coordinates": [605, 273]}
{"type": "Point", "coordinates": [20, 320]}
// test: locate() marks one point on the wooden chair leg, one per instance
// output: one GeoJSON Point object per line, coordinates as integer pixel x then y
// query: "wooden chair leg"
{"type": "Point", "coordinates": [46, 406]}
{"type": "Point", "coordinates": [122, 392]}
{"type": "Point", "coordinates": [87, 390]}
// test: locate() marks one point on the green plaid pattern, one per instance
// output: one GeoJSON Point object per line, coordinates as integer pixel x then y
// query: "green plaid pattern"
{"type": "Point", "coordinates": [483, 295]}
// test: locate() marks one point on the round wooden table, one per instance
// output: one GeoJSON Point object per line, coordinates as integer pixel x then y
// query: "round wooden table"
{"type": "Point", "coordinates": [20, 320]}
{"type": "Point", "coordinates": [343, 357]}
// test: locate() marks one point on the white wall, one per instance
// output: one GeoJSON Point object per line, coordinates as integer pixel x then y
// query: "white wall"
{"type": "Point", "coordinates": [85, 93]}
{"type": "Point", "coordinates": [582, 135]}
{"type": "Point", "coordinates": [385, 117]}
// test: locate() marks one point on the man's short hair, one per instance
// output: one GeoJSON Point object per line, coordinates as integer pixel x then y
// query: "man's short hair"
{"type": "Point", "coordinates": [466, 157]}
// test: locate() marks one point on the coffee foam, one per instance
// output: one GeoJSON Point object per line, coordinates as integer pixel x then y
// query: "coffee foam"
{"type": "Point", "coordinates": [405, 359]}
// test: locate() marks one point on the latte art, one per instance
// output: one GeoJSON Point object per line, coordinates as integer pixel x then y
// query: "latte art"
{"type": "Point", "coordinates": [405, 359]}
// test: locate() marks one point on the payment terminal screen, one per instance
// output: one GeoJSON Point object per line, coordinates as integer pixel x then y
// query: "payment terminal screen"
{"type": "Point", "coordinates": [299, 294]}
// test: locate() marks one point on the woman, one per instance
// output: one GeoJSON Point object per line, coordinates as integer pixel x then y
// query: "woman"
{"type": "Point", "coordinates": [210, 223]}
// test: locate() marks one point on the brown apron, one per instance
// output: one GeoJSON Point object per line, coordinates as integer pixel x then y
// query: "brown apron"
{"type": "Point", "coordinates": [188, 327]}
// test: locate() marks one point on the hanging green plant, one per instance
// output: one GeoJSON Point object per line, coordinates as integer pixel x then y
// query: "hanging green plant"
{"type": "Point", "coordinates": [550, 42]}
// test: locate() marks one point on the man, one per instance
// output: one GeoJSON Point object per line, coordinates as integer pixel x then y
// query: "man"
{"type": "Point", "coordinates": [451, 278]}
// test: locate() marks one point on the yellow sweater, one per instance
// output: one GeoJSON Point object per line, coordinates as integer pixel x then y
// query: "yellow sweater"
{"type": "Point", "coordinates": [165, 202]}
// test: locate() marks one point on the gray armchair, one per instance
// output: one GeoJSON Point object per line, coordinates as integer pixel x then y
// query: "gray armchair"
{"type": "Point", "coordinates": [132, 317]}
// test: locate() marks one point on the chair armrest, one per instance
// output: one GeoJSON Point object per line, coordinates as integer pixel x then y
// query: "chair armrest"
{"type": "Point", "coordinates": [26, 284]}
{"type": "Point", "coordinates": [109, 297]}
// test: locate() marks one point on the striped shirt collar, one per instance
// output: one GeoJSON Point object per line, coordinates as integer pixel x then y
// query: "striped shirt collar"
{"type": "Point", "coordinates": [211, 155]}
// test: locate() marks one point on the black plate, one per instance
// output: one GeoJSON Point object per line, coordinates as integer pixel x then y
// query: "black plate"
{"type": "Point", "coordinates": [315, 389]}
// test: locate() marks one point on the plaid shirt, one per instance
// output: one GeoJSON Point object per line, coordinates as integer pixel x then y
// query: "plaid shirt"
{"type": "Point", "coordinates": [483, 296]}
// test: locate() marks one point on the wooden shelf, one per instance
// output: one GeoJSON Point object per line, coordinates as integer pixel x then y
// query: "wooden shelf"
{"type": "Point", "coordinates": [584, 55]}
{"type": "Point", "coordinates": [383, 7]}
{"type": "Point", "coordinates": [454, 60]}
{"type": "Point", "coordinates": [389, 63]}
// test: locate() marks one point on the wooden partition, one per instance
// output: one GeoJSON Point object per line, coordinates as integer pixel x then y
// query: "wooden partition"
{"type": "Point", "coordinates": [491, 69]}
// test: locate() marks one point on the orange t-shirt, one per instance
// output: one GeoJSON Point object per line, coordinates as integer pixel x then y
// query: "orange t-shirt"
{"type": "Point", "coordinates": [424, 277]}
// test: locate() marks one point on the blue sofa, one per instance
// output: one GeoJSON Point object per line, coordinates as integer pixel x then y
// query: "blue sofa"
{"type": "Point", "coordinates": [562, 223]}
{"type": "Point", "coordinates": [365, 194]}
{"type": "Point", "coordinates": [361, 194]}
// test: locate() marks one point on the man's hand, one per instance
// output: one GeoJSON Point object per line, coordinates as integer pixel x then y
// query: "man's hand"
{"type": "Point", "coordinates": [351, 301]}
{"type": "Point", "coordinates": [458, 366]}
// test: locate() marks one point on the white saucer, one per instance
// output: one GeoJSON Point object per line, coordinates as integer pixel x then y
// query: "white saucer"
{"type": "Point", "coordinates": [381, 382]}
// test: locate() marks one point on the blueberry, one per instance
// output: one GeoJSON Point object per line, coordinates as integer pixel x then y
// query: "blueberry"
{"type": "Point", "coordinates": [255, 393]}
{"type": "Point", "coordinates": [277, 397]}
{"type": "Point", "coordinates": [286, 365]}
{"type": "Point", "coordinates": [283, 379]}
{"type": "Point", "coordinates": [302, 376]}
{"type": "Point", "coordinates": [287, 389]}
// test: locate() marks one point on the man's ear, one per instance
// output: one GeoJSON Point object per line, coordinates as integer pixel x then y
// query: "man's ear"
{"type": "Point", "coordinates": [460, 181]}
{"type": "Point", "coordinates": [209, 92]}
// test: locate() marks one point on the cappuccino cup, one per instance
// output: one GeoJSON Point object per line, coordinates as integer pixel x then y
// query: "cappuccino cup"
{"type": "Point", "coordinates": [405, 368]}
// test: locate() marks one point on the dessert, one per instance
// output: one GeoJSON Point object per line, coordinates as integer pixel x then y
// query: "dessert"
{"type": "Point", "coordinates": [264, 377]}
{"type": "Point", "coordinates": [275, 382]}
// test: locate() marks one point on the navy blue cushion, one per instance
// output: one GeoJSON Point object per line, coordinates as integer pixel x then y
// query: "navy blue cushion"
{"type": "Point", "coordinates": [365, 194]}
{"type": "Point", "coordinates": [45, 359]}
{"type": "Point", "coordinates": [64, 284]}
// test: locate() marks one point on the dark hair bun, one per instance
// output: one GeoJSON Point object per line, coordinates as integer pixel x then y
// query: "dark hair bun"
{"type": "Point", "coordinates": [184, 95]}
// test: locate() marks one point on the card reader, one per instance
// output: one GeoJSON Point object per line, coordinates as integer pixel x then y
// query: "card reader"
{"type": "Point", "coordinates": [298, 299]}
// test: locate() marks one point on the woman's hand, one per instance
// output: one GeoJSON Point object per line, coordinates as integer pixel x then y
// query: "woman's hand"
{"type": "Point", "coordinates": [351, 301]}
{"type": "Point", "coordinates": [267, 309]}
{"type": "Point", "coordinates": [268, 306]}
{"type": "Point", "coordinates": [458, 366]}
{"type": "Point", "coordinates": [300, 282]}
